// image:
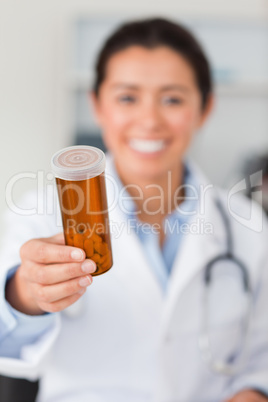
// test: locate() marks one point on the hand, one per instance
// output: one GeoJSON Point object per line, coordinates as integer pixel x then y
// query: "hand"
{"type": "Point", "coordinates": [51, 277]}
{"type": "Point", "coordinates": [248, 396]}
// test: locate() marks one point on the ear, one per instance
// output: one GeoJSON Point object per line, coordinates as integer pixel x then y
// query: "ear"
{"type": "Point", "coordinates": [94, 104]}
{"type": "Point", "coordinates": [207, 111]}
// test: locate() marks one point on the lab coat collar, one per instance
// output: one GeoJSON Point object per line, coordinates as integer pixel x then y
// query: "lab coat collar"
{"type": "Point", "coordinates": [130, 207]}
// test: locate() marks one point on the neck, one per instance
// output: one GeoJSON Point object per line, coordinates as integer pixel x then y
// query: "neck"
{"type": "Point", "coordinates": [155, 197]}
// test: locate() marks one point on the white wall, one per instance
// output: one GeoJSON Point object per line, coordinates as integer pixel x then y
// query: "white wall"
{"type": "Point", "coordinates": [33, 56]}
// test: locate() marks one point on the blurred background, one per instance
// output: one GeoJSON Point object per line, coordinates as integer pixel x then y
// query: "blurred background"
{"type": "Point", "coordinates": [46, 65]}
{"type": "Point", "coordinates": [47, 50]}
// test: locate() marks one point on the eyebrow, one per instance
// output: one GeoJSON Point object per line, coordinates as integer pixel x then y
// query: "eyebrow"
{"type": "Point", "coordinates": [178, 87]}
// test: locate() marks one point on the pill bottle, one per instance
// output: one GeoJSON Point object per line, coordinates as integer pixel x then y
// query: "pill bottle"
{"type": "Point", "coordinates": [80, 180]}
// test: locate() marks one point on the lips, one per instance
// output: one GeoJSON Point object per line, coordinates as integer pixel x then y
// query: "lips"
{"type": "Point", "coordinates": [147, 146]}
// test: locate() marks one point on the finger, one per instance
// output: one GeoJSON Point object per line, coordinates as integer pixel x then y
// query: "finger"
{"type": "Point", "coordinates": [53, 293]}
{"type": "Point", "coordinates": [44, 252]}
{"type": "Point", "coordinates": [61, 304]}
{"type": "Point", "coordinates": [57, 273]}
{"type": "Point", "coordinates": [57, 238]}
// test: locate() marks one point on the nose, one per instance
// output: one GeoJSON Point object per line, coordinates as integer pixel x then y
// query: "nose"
{"type": "Point", "coordinates": [150, 118]}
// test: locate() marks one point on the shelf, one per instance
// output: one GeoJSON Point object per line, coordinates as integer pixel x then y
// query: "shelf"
{"type": "Point", "coordinates": [242, 89]}
{"type": "Point", "coordinates": [82, 81]}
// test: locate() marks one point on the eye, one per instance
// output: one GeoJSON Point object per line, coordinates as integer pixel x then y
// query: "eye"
{"type": "Point", "coordinates": [172, 100]}
{"type": "Point", "coordinates": [126, 99]}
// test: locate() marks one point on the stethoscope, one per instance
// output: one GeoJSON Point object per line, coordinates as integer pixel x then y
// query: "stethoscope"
{"type": "Point", "coordinates": [204, 343]}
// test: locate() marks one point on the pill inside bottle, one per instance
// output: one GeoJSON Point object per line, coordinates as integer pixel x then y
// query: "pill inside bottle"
{"type": "Point", "coordinates": [80, 179]}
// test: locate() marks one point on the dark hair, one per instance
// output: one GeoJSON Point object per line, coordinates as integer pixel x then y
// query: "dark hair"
{"type": "Point", "coordinates": [151, 33]}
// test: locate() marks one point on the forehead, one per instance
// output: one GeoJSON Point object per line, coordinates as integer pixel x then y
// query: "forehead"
{"type": "Point", "coordinates": [158, 66]}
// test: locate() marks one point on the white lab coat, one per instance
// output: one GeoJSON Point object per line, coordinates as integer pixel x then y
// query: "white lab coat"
{"type": "Point", "coordinates": [125, 341]}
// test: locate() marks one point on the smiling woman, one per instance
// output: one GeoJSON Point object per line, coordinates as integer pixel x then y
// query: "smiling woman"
{"type": "Point", "coordinates": [161, 325]}
{"type": "Point", "coordinates": [149, 108]}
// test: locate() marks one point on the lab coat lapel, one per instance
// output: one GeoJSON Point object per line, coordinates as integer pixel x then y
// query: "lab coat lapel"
{"type": "Point", "coordinates": [195, 251]}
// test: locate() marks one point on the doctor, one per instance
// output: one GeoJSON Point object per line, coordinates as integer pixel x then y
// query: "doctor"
{"type": "Point", "coordinates": [136, 333]}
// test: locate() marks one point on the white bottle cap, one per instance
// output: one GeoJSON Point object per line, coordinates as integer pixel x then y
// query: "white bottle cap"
{"type": "Point", "coordinates": [79, 162]}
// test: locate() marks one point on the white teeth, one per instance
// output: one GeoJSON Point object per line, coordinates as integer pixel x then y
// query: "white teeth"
{"type": "Point", "coordinates": [146, 146]}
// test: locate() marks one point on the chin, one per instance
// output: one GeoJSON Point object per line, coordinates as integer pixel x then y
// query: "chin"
{"type": "Point", "coordinates": [148, 172]}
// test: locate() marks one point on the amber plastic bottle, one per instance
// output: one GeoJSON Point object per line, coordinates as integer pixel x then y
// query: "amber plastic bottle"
{"type": "Point", "coordinates": [81, 189]}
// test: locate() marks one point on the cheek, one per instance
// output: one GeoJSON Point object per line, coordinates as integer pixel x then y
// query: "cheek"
{"type": "Point", "coordinates": [114, 125]}
{"type": "Point", "coordinates": [113, 117]}
{"type": "Point", "coordinates": [114, 122]}
{"type": "Point", "coordinates": [184, 122]}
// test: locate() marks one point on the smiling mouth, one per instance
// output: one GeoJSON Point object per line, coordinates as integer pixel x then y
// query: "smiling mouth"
{"type": "Point", "coordinates": [147, 146]}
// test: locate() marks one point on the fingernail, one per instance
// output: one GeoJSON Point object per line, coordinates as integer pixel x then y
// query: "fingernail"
{"type": "Point", "coordinates": [88, 266]}
{"type": "Point", "coordinates": [85, 281]}
{"type": "Point", "coordinates": [77, 254]}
